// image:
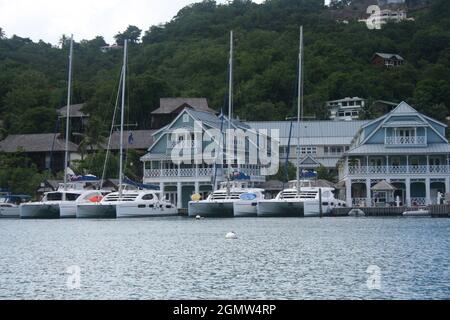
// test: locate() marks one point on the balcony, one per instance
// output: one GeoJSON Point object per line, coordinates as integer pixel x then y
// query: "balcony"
{"type": "Point", "coordinates": [189, 172]}
{"type": "Point", "coordinates": [411, 169]}
{"type": "Point", "coordinates": [405, 141]}
{"type": "Point", "coordinates": [193, 173]}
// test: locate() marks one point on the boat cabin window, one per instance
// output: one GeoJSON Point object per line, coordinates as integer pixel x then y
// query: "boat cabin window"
{"type": "Point", "coordinates": [148, 196]}
{"type": "Point", "coordinates": [55, 196]}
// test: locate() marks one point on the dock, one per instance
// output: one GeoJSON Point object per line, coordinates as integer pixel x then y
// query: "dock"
{"type": "Point", "coordinates": [436, 211]}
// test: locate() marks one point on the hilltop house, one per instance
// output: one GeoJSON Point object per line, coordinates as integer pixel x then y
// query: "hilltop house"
{"type": "Point", "coordinates": [387, 60]}
{"type": "Point", "coordinates": [46, 150]}
{"type": "Point", "coordinates": [170, 108]}
{"type": "Point", "coordinates": [179, 181]}
{"type": "Point", "coordinates": [406, 149]}
{"type": "Point", "coordinates": [345, 109]}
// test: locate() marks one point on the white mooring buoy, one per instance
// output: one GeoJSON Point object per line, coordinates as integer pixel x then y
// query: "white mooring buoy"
{"type": "Point", "coordinates": [231, 235]}
{"type": "Point", "coordinates": [198, 217]}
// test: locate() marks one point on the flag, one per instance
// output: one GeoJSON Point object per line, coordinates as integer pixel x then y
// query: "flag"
{"type": "Point", "coordinates": [130, 138]}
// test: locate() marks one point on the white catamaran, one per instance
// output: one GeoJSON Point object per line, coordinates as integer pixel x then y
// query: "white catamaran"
{"type": "Point", "coordinates": [223, 202]}
{"type": "Point", "coordinates": [297, 200]}
{"type": "Point", "coordinates": [129, 201]}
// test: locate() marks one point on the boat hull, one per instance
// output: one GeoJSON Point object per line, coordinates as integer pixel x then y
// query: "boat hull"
{"type": "Point", "coordinates": [68, 210]}
{"type": "Point", "coordinates": [9, 213]}
{"type": "Point", "coordinates": [417, 213]}
{"type": "Point", "coordinates": [39, 211]}
{"type": "Point", "coordinates": [282, 208]}
{"type": "Point", "coordinates": [96, 211]}
{"type": "Point", "coordinates": [210, 209]}
{"type": "Point", "coordinates": [245, 208]}
{"type": "Point", "coordinates": [137, 210]}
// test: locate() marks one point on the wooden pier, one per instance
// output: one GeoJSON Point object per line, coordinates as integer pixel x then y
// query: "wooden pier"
{"type": "Point", "coordinates": [440, 210]}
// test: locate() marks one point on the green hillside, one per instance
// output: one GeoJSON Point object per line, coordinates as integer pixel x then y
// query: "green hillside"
{"type": "Point", "coordinates": [188, 56]}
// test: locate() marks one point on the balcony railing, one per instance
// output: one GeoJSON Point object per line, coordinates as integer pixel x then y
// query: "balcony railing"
{"type": "Point", "coordinates": [411, 140]}
{"type": "Point", "coordinates": [191, 172]}
{"type": "Point", "coordinates": [411, 169]}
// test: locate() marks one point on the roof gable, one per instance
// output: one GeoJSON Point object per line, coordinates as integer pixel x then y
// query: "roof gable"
{"type": "Point", "coordinates": [403, 109]}
{"type": "Point", "coordinates": [174, 105]}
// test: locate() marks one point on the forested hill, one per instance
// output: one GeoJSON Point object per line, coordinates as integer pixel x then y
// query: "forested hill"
{"type": "Point", "coordinates": [188, 56]}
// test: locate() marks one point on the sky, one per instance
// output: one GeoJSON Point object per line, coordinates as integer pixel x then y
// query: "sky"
{"type": "Point", "coordinates": [49, 19]}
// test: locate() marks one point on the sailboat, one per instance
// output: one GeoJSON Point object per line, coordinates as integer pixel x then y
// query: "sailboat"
{"type": "Point", "coordinates": [300, 199]}
{"type": "Point", "coordinates": [129, 201]}
{"type": "Point", "coordinates": [234, 198]}
{"type": "Point", "coordinates": [62, 202]}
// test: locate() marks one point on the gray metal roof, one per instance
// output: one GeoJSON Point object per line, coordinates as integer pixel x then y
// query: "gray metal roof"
{"type": "Point", "coordinates": [388, 55]}
{"type": "Point", "coordinates": [142, 139]}
{"type": "Point", "coordinates": [75, 111]}
{"type": "Point", "coordinates": [318, 141]}
{"type": "Point", "coordinates": [369, 149]}
{"type": "Point", "coordinates": [321, 132]}
{"type": "Point", "coordinates": [169, 105]}
{"type": "Point", "coordinates": [42, 142]}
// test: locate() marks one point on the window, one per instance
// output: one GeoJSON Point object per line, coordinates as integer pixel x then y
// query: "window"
{"type": "Point", "coordinates": [185, 117]}
{"type": "Point", "coordinates": [435, 161]}
{"type": "Point", "coordinates": [376, 162]}
{"type": "Point", "coordinates": [341, 114]}
{"type": "Point", "coordinates": [148, 196]}
{"type": "Point", "coordinates": [308, 150]}
{"type": "Point", "coordinates": [333, 150]}
{"type": "Point", "coordinates": [396, 161]}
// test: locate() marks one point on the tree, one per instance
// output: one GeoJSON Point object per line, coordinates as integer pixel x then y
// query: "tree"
{"type": "Point", "coordinates": [19, 175]}
{"type": "Point", "coordinates": [2, 33]}
{"type": "Point", "coordinates": [132, 34]}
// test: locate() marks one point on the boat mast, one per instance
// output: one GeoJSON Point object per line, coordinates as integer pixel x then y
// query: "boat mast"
{"type": "Point", "coordinates": [69, 88]}
{"type": "Point", "coordinates": [299, 104]}
{"type": "Point", "coordinates": [122, 113]}
{"type": "Point", "coordinates": [230, 97]}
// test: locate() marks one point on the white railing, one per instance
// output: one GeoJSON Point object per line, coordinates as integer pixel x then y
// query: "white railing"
{"type": "Point", "coordinates": [411, 169]}
{"type": "Point", "coordinates": [412, 140]}
{"type": "Point", "coordinates": [185, 172]}
{"type": "Point", "coordinates": [418, 201]}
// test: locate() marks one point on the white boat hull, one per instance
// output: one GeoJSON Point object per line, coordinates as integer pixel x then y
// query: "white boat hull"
{"type": "Point", "coordinates": [417, 213]}
{"type": "Point", "coordinates": [68, 210]}
{"type": "Point", "coordinates": [140, 210]}
{"type": "Point", "coordinates": [13, 212]}
{"type": "Point", "coordinates": [245, 208]}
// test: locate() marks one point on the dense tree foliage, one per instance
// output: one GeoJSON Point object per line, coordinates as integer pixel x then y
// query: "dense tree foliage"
{"type": "Point", "coordinates": [188, 56]}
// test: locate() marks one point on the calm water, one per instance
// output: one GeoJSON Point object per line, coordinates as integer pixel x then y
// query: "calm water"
{"type": "Point", "coordinates": [182, 258]}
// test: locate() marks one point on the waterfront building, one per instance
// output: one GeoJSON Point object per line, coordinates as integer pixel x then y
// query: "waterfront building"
{"type": "Point", "coordinates": [406, 149]}
{"type": "Point", "coordinates": [179, 181]}
{"type": "Point", "coordinates": [321, 143]}
{"type": "Point", "coordinates": [345, 109]}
